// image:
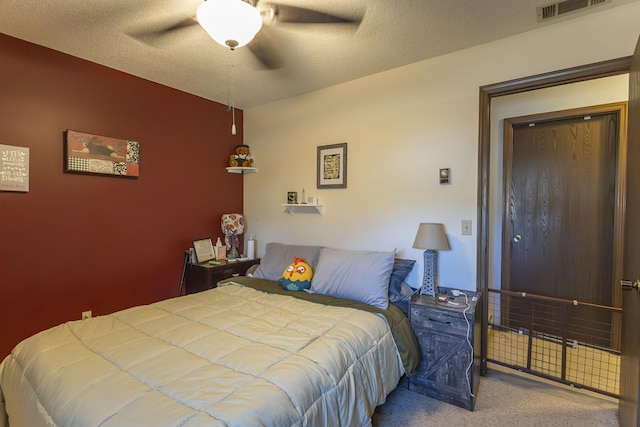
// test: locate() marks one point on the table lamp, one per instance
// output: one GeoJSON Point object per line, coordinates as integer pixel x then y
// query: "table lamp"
{"type": "Point", "coordinates": [232, 226]}
{"type": "Point", "coordinates": [432, 238]}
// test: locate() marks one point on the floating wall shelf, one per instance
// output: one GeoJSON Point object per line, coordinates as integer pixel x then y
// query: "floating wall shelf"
{"type": "Point", "coordinates": [241, 170]}
{"type": "Point", "coordinates": [304, 208]}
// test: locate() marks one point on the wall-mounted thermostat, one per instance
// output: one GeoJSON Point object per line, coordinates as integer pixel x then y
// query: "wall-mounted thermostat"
{"type": "Point", "coordinates": [445, 173]}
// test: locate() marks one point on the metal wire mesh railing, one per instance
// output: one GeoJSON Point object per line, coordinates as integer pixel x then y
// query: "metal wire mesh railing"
{"type": "Point", "coordinates": [568, 341]}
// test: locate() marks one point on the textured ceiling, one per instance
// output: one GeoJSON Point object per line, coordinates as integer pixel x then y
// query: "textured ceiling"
{"type": "Point", "coordinates": [391, 34]}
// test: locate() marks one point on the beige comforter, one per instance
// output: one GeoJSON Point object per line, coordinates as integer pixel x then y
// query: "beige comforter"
{"type": "Point", "coordinates": [230, 356]}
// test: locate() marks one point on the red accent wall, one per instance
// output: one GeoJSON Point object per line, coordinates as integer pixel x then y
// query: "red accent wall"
{"type": "Point", "coordinates": [85, 242]}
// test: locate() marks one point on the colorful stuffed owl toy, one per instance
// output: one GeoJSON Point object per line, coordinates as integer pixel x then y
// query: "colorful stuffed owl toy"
{"type": "Point", "coordinates": [297, 276]}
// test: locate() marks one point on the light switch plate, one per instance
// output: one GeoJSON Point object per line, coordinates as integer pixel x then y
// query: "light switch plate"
{"type": "Point", "coordinates": [466, 227]}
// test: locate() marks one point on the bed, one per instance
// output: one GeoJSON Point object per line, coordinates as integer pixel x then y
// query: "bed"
{"type": "Point", "coordinates": [247, 353]}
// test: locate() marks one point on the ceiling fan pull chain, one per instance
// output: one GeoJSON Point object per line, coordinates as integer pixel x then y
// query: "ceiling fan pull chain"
{"type": "Point", "coordinates": [233, 101]}
{"type": "Point", "coordinates": [233, 126]}
{"type": "Point", "coordinates": [228, 88]}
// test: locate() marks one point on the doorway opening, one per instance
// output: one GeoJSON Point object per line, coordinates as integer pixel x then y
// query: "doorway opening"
{"type": "Point", "coordinates": [557, 312]}
{"type": "Point", "coordinates": [487, 93]}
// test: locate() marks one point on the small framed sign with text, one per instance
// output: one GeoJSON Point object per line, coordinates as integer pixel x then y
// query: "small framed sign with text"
{"type": "Point", "coordinates": [14, 168]}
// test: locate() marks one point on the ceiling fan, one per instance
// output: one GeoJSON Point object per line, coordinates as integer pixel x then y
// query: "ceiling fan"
{"type": "Point", "coordinates": [235, 23]}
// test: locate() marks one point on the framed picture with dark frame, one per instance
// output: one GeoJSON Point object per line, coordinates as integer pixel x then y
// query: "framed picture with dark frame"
{"type": "Point", "coordinates": [204, 250]}
{"type": "Point", "coordinates": [332, 166]}
{"type": "Point", "coordinates": [292, 197]}
{"type": "Point", "coordinates": [97, 154]}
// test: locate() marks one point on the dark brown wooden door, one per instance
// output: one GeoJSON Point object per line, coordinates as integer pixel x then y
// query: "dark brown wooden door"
{"type": "Point", "coordinates": [560, 215]}
{"type": "Point", "coordinates": [562, 236]}
{"type": "Point", "coordinates": [629, 369]}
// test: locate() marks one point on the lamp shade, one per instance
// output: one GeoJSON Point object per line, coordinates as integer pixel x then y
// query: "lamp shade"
{"type": "Point", "coordinates": [232, 224]}
{"type": "Point", "coordinates": [232, 23]}
{"type": "Point", "coordinates": [431, 236]}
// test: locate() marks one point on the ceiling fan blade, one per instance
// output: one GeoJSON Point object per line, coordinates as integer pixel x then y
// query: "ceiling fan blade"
{"type": "Point", "coordinates": [158, 35]}
{"type": "Point", "coordinates": [263, 49]}
{"type": "Point", "coordinates": [185, 23]}
{"type": "Point", "coordinates": [293, 14]}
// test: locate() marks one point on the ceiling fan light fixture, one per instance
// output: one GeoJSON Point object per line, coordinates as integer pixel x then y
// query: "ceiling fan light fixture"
{"type": "Point", "coordinates": [232, 23]}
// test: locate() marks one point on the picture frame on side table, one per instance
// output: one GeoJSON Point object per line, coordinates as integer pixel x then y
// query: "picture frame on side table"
{"type": "Point", "coordinates": [204, 250]}
{"type": "Point", "coordinates": [332, 166]}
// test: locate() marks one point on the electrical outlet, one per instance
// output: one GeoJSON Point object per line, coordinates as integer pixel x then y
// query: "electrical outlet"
{"type": "Point", "coordinates": [87, 315]}
{"type": "Point", "coordinates": [466, 227]}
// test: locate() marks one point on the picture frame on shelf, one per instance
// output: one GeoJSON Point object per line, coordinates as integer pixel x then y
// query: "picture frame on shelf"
{"type": "Point", "coordinates": [204, 250]}
{"type": "Point", "coordinates": [332, 166]}
{"type": "Point", "coordinates": [292, 198]}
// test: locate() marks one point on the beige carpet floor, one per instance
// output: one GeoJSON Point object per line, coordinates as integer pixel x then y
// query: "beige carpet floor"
{"type": "Point", "coordinates": [505, 398]}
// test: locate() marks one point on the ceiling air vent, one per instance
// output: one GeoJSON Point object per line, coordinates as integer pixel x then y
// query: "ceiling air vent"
{"type": "Point", "coordinates": [554, 10]}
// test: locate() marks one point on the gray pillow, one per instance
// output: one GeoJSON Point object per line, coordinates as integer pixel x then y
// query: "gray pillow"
{"type": "Point", "coordinates": [279, 255]}
{"type": "Point", "coordinates": [398, 289]}
{"type": "Point", "coordinates": [358, 275]}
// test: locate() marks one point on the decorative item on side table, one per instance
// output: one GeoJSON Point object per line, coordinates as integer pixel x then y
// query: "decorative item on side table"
{"type": "Point", "coordinates": [232, 226]}
{"type": "Point", "coordinates": [250, 249]}
{"type": "Point", "coordinates": [203, 249]}
{"type": "Point", "coordinates": [432, 238]}
{"type": "Point", "coordinates": [221, 250]}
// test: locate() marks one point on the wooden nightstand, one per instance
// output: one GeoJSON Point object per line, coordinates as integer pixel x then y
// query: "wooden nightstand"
{"type": "Point", "coordinates": [200, 277]}
{"type": "Point", "coordinates": [450, 368]}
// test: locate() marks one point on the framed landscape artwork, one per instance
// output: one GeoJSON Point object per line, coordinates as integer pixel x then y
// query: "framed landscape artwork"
{"type": "Point", "coordinates": [88, 153]}
{"type": "Point", "coordinates": [332, 166]}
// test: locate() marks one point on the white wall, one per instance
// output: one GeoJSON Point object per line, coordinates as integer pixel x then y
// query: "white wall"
{"type": "Point", "coordinates": [401, 126]}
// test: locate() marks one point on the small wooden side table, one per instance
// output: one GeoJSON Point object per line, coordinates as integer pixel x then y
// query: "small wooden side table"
{"type": "Point", "coordinates": [203, 276]}
{"type": "Point", "coordinates": [449, 336]}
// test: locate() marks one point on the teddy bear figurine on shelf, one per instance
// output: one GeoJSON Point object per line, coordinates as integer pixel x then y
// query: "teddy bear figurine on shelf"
{"type": "Point", "coordinates": [242, 158]}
